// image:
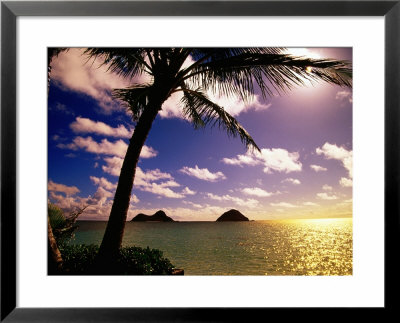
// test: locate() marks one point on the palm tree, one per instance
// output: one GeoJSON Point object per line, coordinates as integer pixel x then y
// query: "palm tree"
{"type": "Point", "coordinates": [230, 71]}
{"type": "Point", "coordinates": [55, 261]}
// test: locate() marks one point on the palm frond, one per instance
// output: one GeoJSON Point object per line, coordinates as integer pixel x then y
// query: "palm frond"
{"type": "Point", "coordinates": [127, 62]}
{"type": "Point", "coordinates": [215, 54]}
{"type": "Point", "coordinates": [54, 52]}
{"type": "Point", "coordinates": [204, 55]}
{"type": "Point", "coordinates": [202, 111]}
{"type": "Point", "coordinates": [56, 216]}
{"type": "Point", "coordinates": [189, 110]}
{"type": "Point", "coordinates": [272, 73]}
{"type": "Point", "coordinates": [134, 98]}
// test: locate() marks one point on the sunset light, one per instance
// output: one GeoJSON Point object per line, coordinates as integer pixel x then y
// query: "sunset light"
{"type": "Point", "coordinates": [203, 132]}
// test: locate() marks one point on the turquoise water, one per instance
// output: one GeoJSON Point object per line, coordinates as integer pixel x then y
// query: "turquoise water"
{"type": "Point", "coordinates": [293, 247]}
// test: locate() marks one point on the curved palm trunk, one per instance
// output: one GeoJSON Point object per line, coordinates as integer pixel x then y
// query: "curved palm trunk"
{"type": "Point", "coordinates": [54, 261]}
{"type": "Point", "coordinates": [115, 227]}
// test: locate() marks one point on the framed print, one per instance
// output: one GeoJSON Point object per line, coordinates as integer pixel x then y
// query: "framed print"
{"type": "Point", "coordinates": [241, 232]}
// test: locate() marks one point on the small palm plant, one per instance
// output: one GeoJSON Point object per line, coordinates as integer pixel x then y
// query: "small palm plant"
{"type": "Point", "coordinates": [63, 226]}
{"type": "Point", "coordinates": [59, 227]}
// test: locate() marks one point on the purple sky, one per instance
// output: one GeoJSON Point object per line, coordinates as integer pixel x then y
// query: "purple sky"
{"type": "Point", "coordinates": [304, 169]}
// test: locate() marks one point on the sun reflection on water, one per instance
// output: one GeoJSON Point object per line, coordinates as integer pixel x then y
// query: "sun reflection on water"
{"type": "Point", "coordinates": [313, 247]}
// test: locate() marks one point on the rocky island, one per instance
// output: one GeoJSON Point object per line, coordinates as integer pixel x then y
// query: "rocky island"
{"type": "Point", "coordinates": [232, 215]}
{"type": "Point", "coordinates": [159, 216]}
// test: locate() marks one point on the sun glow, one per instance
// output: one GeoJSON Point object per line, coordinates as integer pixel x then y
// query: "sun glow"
{"type": "Point", "coordinates": [297, 51]}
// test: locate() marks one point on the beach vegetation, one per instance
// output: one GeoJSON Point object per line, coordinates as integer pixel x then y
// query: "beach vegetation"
{"type": "Point", "coordinates": [80, 260]}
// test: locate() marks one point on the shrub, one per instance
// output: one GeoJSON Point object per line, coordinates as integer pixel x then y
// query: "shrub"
{"type": "Point", "coordinates": [80, 260]}
{"type": "Point", "coordinates": [77, 259]}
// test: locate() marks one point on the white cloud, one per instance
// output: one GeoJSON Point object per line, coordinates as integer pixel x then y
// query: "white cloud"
{"type": "Point", "coordinates": [98, 205]}
{"type": "Point", "coordinates": [301, 51]}
{"type": "Point", "coordinates": [68, 190]}
{"type": "Point", "coordinates": [332, 151]}
{"type": "Point", "coordinates": [188, 191]}
{"type": "Point", "coordinates": [256, 191]}
{"type": "Point", "coordinates": [275, 159]}
{"type": "Point", "coordinates": [293, 181]}
{"type": "Point", "coordinates": [249, 203]}
{"type": "Point", "coordinates": [218, 197]}
{"type": "Point", "coordinates": [100, 196]}
{"type": "Point", "coordinates": [170, 183]}
{"type": "Point", "coordinates": [325, 196]}
{"type": "Point", "coordinates": [161, 189]}
{"type": "Point", "coordinates": [152, 175]}
{"type": "Point", "coordinates": [280, 160]}
{"type": "Point", "coordinates": [113, 166]}
{"type": "Point", "coordinates": [318, 168]}
{"type": "Point", "coordinates": [327, 187]}
{"type": "Point", "coordinates": [103, 182]}
{"type": "Point", "coordinates": [234, 105]}
{"type": "Point", "coordinates": [172, 108]}
{"type": "Point", "coordinates": [283, 204]}
{"type": "Point", "coordinates": [344, 95]}
{"type": "Point", "coordinates": [248, 159]}
{"type": "Point", "coordinates": [346, 182]}
{"type": "Point", "coordinates": [195, 205]}
{"type": "Point", "coordinates": [85, 125]}
{"type": "Point", "coordinates": [310, 204]}
{"type": "Point", "coordinates": [70, 70]}
{"type": "Point", "coordinates": [148, 152]}
{"type": "Point", "coordinates": [147, 180]}
{"type": "Point", "coordinates": [59, 107]}
{"type": "Point", "coordinates": [67, 203]}
{"type": "Point", "coordinates": [104, 147]}
{"type": "Point", "coordinates": [134, 199]}
{"type": "Point", "coordinates": [202, 173]}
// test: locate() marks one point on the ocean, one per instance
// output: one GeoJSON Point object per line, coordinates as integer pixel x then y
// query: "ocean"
{"type": "Point", "coordinates": [271, 247]}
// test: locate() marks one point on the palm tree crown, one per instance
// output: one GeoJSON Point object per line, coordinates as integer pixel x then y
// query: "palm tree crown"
{"type": "Point", "coordinates": [230, 71]}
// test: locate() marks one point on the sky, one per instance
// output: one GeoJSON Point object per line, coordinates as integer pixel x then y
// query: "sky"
{"type": "Point", "coordinates": [304, 169]}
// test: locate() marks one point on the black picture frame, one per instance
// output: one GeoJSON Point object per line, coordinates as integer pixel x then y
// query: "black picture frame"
{"type": "Point", "coordinates": [10, 10]}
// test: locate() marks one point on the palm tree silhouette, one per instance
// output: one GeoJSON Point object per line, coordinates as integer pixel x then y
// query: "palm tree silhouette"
{"type": "Point", "coordinates": [55, 260]}
{"type": "Point", "coordinates": [236, 72]}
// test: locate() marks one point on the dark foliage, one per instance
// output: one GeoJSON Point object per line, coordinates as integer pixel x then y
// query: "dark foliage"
{"type": "Point", "coordinates": [80, 260]}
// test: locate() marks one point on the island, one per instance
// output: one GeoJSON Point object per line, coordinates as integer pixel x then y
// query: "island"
{"type": "Point", "coordinates": [159, 216]}
{"type": "Point", "coordinates": [232, 215]}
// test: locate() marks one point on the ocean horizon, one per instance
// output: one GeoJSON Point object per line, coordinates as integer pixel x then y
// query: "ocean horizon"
{"type": "Point", "coordinates": [258, 247]}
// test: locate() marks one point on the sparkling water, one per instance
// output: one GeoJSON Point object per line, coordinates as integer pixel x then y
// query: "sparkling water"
{"type": "Point", "coordinates": [285, 247]}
